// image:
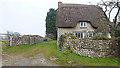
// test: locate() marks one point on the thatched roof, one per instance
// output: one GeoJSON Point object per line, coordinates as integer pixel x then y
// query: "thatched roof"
{"type": "Point", "coordinates": [68, 15]}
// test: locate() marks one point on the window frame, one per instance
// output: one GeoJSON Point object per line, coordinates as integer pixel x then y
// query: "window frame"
{"type": "Point", "coordinates": [83, 24]}
{"type": "Point", "coordinates": [89, 34]}
{"type": "Point", "coordinates": [80, 34]}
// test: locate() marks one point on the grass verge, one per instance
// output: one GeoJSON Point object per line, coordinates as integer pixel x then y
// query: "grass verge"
{"type": "Point", "coordinates": [65, 57]}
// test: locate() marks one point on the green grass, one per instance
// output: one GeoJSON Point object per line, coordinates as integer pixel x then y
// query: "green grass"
{"type": "Point", "coordinates": [49, 48]}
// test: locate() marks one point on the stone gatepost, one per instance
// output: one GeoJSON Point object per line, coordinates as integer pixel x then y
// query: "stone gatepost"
{"type": "Point", "coordinates": [11, 41]}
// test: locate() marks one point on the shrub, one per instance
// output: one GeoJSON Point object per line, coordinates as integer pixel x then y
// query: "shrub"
{"type": "Point", "coordinates": [62, 37]}
{"type": "Point", "coordinates": [71, 35]}
{"type": "Point", "coordinates": [116, 39]}
{"type": "Point", "coordinates": [50, 36]}
{"type": "Point", "coordinates": [100, 37]}
{"type": "Point", "coordinates": [117, 33]}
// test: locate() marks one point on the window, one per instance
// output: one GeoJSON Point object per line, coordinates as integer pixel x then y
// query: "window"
{"type": "Point", "coordinates": [90, 34]}
{"type": "Point", "coordinates": [83, 24]}
{"type": "Point", "coordinates": [100, 33]}
{"type": "Point", "coordinates": [81, 35]}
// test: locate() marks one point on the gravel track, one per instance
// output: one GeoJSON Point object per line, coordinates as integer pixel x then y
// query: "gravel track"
{"type": "Point", "coordinates": [19, 60]}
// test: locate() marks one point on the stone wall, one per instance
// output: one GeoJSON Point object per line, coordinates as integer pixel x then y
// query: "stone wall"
{"type": "Point", "coordinates": [90, 48]}
{"type": "Point", "coordinates": [18, 40]}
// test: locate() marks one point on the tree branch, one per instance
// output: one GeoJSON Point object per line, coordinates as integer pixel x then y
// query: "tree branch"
{"type": "Point", "coordinates": [115, 21]}
{"type": "Point", "coordinates": [111, 11]}
{"type": "Point", "coordinates": [105, 6]}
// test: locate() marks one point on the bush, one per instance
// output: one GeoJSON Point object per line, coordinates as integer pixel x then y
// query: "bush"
{"type": "Point", "coordinates": [116, 39]}
{"type": "Point", "coordinates": [71, 35]}
{"type": "Point", "coordinates": [117, 33]}
{"type": "Point", "coordinates": [62, 37]}
{"type": "Point", "coordinates": [100, 37]}
{"type": "Point", "coordinates": [51, 36]}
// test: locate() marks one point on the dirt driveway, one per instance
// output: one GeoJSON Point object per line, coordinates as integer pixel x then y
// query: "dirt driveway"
{"type": "Point", "coordinates": [19, 60]}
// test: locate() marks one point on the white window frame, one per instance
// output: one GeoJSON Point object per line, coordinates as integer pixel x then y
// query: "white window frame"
{"type": "Point", "coordinates": [83, 35]}
{"type": "Point", "coordinates": [83, 24]}
{"type": "Point", "coordinates": [89, 35]}
{"type": "Point", "coordinates": [79, 33]}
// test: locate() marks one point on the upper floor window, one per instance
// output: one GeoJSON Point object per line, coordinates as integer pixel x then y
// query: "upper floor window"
{"type": "Point", "coordinates": [83, 24]}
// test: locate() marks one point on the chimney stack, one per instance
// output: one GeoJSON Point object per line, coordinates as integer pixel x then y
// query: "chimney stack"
{"type": "Point", "coordinates": [59, 3]}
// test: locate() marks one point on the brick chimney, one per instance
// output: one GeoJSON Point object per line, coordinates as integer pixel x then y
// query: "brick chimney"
{"type": "Point", "coordinates": [59, 3]}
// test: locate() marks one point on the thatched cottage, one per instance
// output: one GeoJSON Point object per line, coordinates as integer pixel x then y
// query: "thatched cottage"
{"type": "Point", "coordinates": [81, 20]}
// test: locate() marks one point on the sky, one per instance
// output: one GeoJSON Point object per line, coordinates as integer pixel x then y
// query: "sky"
{"type": "Point", "coordinates": [28, 16]}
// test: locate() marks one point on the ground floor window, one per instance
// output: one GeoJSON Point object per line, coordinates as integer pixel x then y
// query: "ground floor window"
{"type": "Point", "coordinates": [80, 34]}
{"type": "Point", "coordinates": [90, 34]}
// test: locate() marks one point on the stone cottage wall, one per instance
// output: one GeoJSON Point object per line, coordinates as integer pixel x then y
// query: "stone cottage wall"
{"type": "Point", "coordinates": [62, 31]}
{"type": "Point", "coordinates": [90, 48]}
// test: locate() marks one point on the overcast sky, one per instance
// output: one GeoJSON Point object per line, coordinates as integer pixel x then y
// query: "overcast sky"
{"type": "Point", "coordinates": [28, 16]}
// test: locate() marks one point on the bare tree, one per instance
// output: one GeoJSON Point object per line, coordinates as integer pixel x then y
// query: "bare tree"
{"type": "Point", "coordinates": [109, 6]}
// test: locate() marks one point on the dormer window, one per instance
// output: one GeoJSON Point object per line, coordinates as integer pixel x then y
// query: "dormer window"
{"type": "Point", "coordinates": [83, 24]}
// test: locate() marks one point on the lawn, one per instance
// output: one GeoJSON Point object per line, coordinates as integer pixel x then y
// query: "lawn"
{"type": "Point", "coordinates": [65, 57]}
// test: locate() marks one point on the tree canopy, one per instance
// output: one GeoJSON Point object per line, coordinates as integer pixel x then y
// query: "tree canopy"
{"type": "Point", "coordinates": [51, 30]}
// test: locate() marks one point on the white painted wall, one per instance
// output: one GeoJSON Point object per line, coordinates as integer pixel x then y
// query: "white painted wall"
{"type": "Point", "coordinates": [77, 28]}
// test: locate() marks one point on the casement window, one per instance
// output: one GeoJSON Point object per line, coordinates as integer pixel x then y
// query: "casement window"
{"type": "Point", "coordinates": [100, 33]}
{"type": "Point", "coordinates": [83, 24]}
{"type": "Point", "coordinates": [90, 34]}
{"type": "Point", "coordinates": [81, 35]}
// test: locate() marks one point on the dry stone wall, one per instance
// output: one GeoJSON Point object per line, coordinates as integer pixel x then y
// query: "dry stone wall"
{"type": "Point", "coordinates": [90, 48]}
{"type": "Point", "coordinates": [18, 40]}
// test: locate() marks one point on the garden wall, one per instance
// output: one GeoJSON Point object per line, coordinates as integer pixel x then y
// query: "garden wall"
{"type": "Point", "coordinates": [90, 48]}
{"type": "Point", "coordinates": [18, 40]}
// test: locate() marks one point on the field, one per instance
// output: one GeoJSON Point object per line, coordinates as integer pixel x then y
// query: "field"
{"type": "Point", "coordinates": [65, 57]}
